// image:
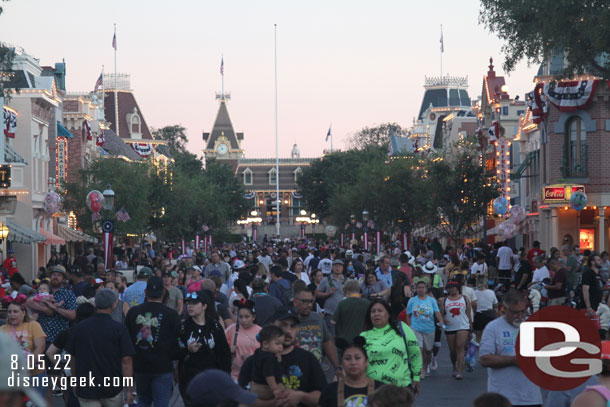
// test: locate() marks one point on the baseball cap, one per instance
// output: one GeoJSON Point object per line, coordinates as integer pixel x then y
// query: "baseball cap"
{"type": "Point", "coordinates": [154, 287]}
{"type": "Point", "coordinates": [9, 348]}
{"type": "Point", "coordinates": [145, 271]}
{"type": "Point", "coordinates": [285, 313]}
{"type": "Point", "coordinates": [213, 387]}
{"type": "Point", "coordinates": [195, 267]}
{"type": "Point", "coordinates": [58, 268]}
{"type": "Point", "coordinates": [239, 264]}
{"type": "Point", "coordinates": [337, 261]}
{"type": "Point", "coordinates": [349, 253]}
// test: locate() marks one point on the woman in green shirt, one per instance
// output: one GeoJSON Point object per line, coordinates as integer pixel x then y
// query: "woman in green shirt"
{"type": "Point", "coordinates": [393, 351]}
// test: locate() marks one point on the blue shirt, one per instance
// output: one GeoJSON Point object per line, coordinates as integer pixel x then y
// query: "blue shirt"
{"type": "Point", "coordinates": [386, 278]}
{"type": "Point", "coordinates": [55, 324]}
{"type": "Point", "coordinates": [134, 294]}
{"type": "Point", "coordinates": [422, 313]}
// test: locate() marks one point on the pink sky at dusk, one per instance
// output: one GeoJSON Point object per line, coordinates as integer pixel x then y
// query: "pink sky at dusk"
{"type": "Point", "coordinates": [353, 63]}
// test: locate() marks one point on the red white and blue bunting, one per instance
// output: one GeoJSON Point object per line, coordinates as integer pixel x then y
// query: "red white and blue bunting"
{"type": "Point", "coordinates": [296, 195]}
{"type": "Point", "coordinates": [568, 96]}
{"type": "Point", "coordinates": [9, 122]}
{"type": "Point", "coordinates": [537, 104]}
{"type": "Point", "coordinates": [494, 131]}
{"type": "Point", "coordinates": [87, 130]}
{"type": "Point", "coordinates": [143, 149]}
{"type": "Point", "coordinates": [249, 195]}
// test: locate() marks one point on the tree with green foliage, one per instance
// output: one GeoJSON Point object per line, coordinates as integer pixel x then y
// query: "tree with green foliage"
{"type": "Point", "coordinates": [535, 30]}
{"type": "Point", "coordinates": [175, 136]}
{"type": "Point", "coordinates": [459, 190]}
{"type": "Point", "coordinates": [324, 177]}
{"type": "Point", "coordinates": [378, 136]}
{"type": "Point", "coordinates": [7, 54]}
{"type": "Point", "coordinates": [131, 184]}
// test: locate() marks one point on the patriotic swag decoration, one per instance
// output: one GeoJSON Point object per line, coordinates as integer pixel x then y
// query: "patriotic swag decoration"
{"type": "Point", "coordinates": [536, 104]}
{"type": "Point", "coordinates": [87, 130]}
{"type": "Point", "coordinates": [10, 122]}
{"type": "Point", "coordinates": [143, 149]}
{"type": "Point", "coordinates": [249, 195]}
{"type": "Point", "coordinates": [568, 96]}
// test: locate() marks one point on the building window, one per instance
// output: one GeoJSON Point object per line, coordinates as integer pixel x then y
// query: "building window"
{"type": "Point", "coordinates": [575, 162]}
{"type": "Point", "coordinates": [272, 177]}
{"type": "Point", "coordinates": [247, 176]}
{"type": "Point", "coordinates": [504, 110]}
{"type": "Point", "coordinates": [297, 174]}
{"type": "Point", "coordinates": [135, 124]}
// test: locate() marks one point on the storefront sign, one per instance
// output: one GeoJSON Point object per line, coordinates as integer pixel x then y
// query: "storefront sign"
{"type": "Point", "coordinates": [560, 194]}
{"type": "Point", "coordinates": [61, 169]}
{"type": "Point", "coordinates": [5, 176]}
{"type": "Point", "coordinates": [503, 166]}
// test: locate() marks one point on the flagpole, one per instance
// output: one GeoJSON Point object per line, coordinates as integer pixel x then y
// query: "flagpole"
{"type": "Point", "coordinates": [222, 62]}
{"type": "Point", "coordinates": [442, 50]}
{"type": "Point", "coordinates": [331, 138]}
{"type": "Point", "coordinates": [116, 94]}
{"type": "Point", "coordinates": [277, 150]}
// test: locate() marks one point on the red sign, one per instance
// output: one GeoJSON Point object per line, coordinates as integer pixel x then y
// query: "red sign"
{"type": "Point", "coordinates": [554, 193]}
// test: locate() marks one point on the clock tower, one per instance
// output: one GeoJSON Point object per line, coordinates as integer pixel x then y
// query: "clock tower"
{"type": "Point", "coordinates": [223, 143]}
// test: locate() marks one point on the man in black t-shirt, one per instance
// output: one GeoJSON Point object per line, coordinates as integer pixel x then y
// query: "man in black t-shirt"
{"type": "Point", "coordinates": [101, 347]}
{"type": "Point", "coordinates": [592, 286]}
{"type": "Point", "coordinates": [153, 328]}
{"type": "Point", "coordinates": [524, 275]}
{"type": "Point", "coordinates": [302, 374]}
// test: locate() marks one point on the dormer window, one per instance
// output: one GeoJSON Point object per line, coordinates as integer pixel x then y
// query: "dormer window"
{"type": "Point", "coordinates": [247, 176]}
{"type": "Point", "coordinates": [297, 174]}
{"type": "Point", "coordinates": [272, 176]}
{"type": "Point", "coordinates": [134, 123]}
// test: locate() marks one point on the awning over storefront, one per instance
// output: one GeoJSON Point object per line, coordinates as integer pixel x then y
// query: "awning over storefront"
{"type": "Point", "coordinates": [21, 234]}
{"type": "Point", "coordinates": [51, 238]}
{"type": "Point", "coordinates": [71, 235]}
{"type": "Point", "coordinates": [63, 132]}
{"type": "Point", "coordinates": [526, 163]}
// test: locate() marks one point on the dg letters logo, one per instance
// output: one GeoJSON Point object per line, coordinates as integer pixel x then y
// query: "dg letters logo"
{"type": "Point", "coordinates": [558, 348]}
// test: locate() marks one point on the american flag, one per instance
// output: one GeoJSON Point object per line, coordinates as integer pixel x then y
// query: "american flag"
{"type": "Point", "coordinates": [114, 41]}
{"type": "Point", "coordinates": [98, 83]}
{"type": "Point", "coordinates": [205, 228]}
{"type": "Point", "coordinates": [222, 66]}
{"type": "Point", "coordinates": [122, 215]}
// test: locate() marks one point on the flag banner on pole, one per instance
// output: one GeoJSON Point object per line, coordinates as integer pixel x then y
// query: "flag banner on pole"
{"type": "Point", "coordinates": [108, 237]}
{"type": "Point", "coordinates": [222, 66]}
{"type": "Point", "coordinates": [378, 241]}
{"type": "Point", "coordinates": [10, 122]}
{"type": "Point", "coordinates": [122, 215]}
{"type": "Point", "coordinates": [210, 241]}
{"type": "Point", "coordinates": [405, 241]}
{"type": "Point", "coordinates": [205, 243]}
{"type": "Point", "coordinates": [99, 83]}
{"type": "Point", "coordinates": [99, 140]}
{"type": "Point", "coordinates": [365, 240]}
{"type": "Point", "coordinates": [328, 134]}
{"type": "Point", "coordinates": [442, 42]}
{"type": "Point", "coordinates": [114, 41]}
{"type": "Point", "coordinates": [197, 241]}
{"type": "Point", "coordinates": [353, 237]}
{"type": "Point", "coordinates": [342, 238]}
{"type": "Point", "coordinates": [87, 130]}
{"type": "Point", "coordinates": [494, 131]}
{"type": "Point", "coordinates": [254, 233]}
{"type": "Point", "coordinates": [183, 246]}
{"type": "Point", "coordinates": [536, 104]}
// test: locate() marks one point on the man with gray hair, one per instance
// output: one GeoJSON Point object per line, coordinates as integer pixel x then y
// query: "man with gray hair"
{"type": "Point", "coordinates": [349, 315]}
{"type": "Point", "coordinates": [101, 347]}
{"type": "Point", "coordinates": [497, 354]}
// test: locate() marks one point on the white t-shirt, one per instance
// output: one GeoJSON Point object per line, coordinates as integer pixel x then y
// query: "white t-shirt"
{"type": "Point", "coordinates": [505, 254]}
{"type": "Point", "coordinates": [266, 260]}
{"type": "Point", "coordinates": [485, 299]}
{"type": "Point", "coordinates": [472, 296]}
{"type": "Point", "coordinates": [478, 269]}
{"type": "Point", "coordinates": [540, 274]}
{"type": "Point", "coordinates": [326, 265]}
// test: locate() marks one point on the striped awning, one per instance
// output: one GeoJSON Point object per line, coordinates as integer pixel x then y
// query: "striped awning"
{"type": "Point", "coordinates": [71, 235]}
{"type": "Point", "coordinates": [21, 234]}
{"type": "Point", "coordinates": [51, 238]}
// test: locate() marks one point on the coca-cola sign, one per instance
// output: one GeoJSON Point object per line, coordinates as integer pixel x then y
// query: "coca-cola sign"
{"type": "Point", "coordinates": [560, 193]}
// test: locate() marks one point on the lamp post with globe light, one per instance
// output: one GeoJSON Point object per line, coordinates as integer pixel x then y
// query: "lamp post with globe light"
{"type": "Point", "coordinates": [108, 227]}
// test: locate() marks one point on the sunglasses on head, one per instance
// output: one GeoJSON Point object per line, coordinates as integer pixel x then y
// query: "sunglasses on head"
{"type": "Point", "coordinates": [192, 296]}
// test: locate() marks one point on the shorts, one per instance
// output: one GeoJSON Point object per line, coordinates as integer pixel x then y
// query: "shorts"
{"type": "Point", "coordinates": [481, 320]}
{"type": "Point", "coordinates": [424, 339]}
{"type": "Point", "coordinates": [447, 333]}
{"type": "Point", "coordinates": [438, 332]}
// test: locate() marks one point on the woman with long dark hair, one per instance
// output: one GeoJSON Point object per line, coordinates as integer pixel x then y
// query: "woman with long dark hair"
{"type": "Point", "coordinates": [399, 294]}
{"type": "Point", "coordinates": [202, 341]}
{"type": "Point", "coordinates": [354, 386]}
{"type": "Point", "coordinates": [242, 335]}
{"type": "Point", "coordinates": [394, 355]}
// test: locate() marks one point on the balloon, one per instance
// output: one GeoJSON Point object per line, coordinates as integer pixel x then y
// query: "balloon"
{"type": "Point", "coordinates": [500, 205]}
{"type": "Point", "coordinates": [330, 231]}
{"type": "Point", "coordinates": [95, 201]}
{"type": "Point", "coordinates": [52, 202]}
{"type": "Point", "coordinates": [508, 229]}
{"type": "Point", "coordinates": [517, 214]}
{"type": "Point", "coordinates": [578, 200]}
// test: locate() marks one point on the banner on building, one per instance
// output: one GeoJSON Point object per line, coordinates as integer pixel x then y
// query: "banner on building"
{"type": "Point", "coordinates": [9, 122]}
{"type": "Point", "coordinates": [503, 165]}
{"type": "Point", "coordinates": [143, 149]}
{"type": "Point", "coordinates": [568, 96]}
{"type": "Point", "coordinates": [61, 161]}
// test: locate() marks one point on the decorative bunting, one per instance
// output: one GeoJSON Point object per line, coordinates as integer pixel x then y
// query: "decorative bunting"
{"type": "Point", "coordinates": [87, 130]}
{"type": "Point", "coordinates": [249, 195]}
{"type": "Point", "coordinates": [143, 149]}
{"type": "Point", "coordinates": [10, 122]}
{"type": "Point", "coordinates": [99, 140]}
{"type": "Point", "coordinates": [568, 96]}
{"type": "Point", "coordinates": [536, 104]}
{"type": "Point", "coordinates": [494, 131]}
{"type": "Point", "coordinates": [296, 195]}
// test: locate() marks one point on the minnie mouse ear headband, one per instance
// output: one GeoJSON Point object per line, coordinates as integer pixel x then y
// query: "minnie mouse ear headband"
{"type": "Point", "coordinates": [18, 299]}
{"type": "Point", "coordinates": [243, 303]}
{"type": "Point", "coordinates": [453, 283]}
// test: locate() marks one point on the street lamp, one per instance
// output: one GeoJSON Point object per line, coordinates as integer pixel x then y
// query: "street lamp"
{"type": "Point", "coordinates": [108, 198]}
{"type": "Point", "coordinates": [314, 222]}
{"type": "Point", "coordinates": [3, 231]}
{"type": "Point", "coordinates": [365, 229]}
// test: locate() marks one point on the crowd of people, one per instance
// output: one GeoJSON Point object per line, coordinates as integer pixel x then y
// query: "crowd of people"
{"type": "Point", "coordinates": [295, 322]}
